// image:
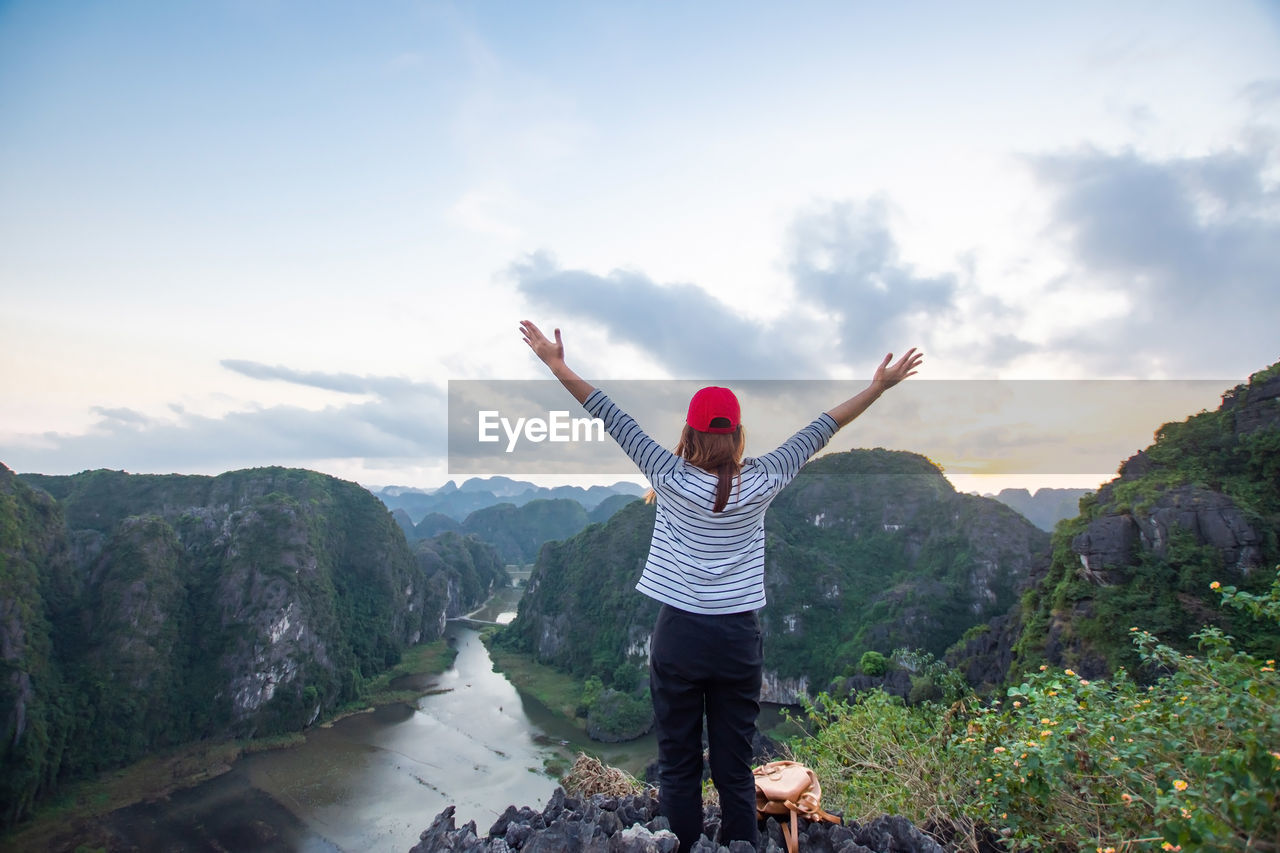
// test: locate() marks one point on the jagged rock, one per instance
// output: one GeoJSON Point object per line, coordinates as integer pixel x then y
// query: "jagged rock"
{"type": "Point", "coordinates": [632, 825]}
{"type": "Point", "coordinates": [519, 834]}
{"type": "Point", "coordinates": [895, 834]}
{"type": "Point", "coordinates": [444, 837]}
{"type": "Point", "coordinates": [556, 838]}
{"type": "Point", "coordinates": [1211, 517]}
{"type": "Point", "coordinates": [638, 839]}
{"type": "Point", "coordinates": [1255, 407]}
{"type": "Point", "coordinates": [986, 656]}
{"type": "Point", "coordinates": [1107, 544]}
{"type": "Point", "coordinates": [504, 820]}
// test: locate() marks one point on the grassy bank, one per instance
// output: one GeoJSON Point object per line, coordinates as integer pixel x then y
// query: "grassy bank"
{"type": "Point", "coordinates": [71, 818]}
{"type": "Point", "coordinates": [559, 692]}
{"type": "Point", "coordinates": [426, 659]}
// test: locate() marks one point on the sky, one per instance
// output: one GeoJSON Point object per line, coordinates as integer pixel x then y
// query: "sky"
{"type": "Point", "coordinates": [260, 232]}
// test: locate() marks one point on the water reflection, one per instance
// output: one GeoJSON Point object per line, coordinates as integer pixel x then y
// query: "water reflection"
{"type": "Point", "coordinates": [500, 608]}
{"type": "Point", "coordinates": [372, 781]}
{"type": "Point", "coordinates": [375, 780]}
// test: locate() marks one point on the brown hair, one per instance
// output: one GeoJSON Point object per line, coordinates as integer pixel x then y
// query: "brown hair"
{"type": "Point", "coordinates": [715, 453]}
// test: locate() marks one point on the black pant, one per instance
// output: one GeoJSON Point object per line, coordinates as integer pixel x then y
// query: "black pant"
{"type": "Point", "coordinates": [706, 664]}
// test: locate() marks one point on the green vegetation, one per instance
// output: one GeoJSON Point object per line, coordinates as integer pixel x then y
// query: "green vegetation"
{"type": "Point", "coordinates": [873, 664]}
{"type": "Point", "coordinates": [192, 763]}
{"type": "Point", "coordinates": [155, 776]}
{"type": "Point", "coordinates": [866, 551]}
{"type": "Point", "coordinates": [1189, 761]}
{"type": "Point", "coordinates": [619, 716]}
{"type": "Point", "coordinates": [1214, 476]}
{"type": "Point", "coordinates": [152, 611]}
{"type": "Point", "coordinates": [518, 532]}
{"type": "Point", "coordinates": [557, 690]}
{"type": "Point", "coordinates": [425, 659]}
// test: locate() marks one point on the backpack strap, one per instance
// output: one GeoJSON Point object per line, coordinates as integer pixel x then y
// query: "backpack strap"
{"type": "Point", "coordinates": [809, 806]}
{"type": "Point", "coordinates": [792, 838]}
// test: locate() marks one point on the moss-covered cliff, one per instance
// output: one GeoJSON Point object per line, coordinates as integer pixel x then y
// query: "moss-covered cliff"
{"type": "Point", "coordinates": [143, 611]}
{"type": "Point", "coordinates": [36, 592]}
{"type": "Point", "coordinates": [1201, 504]}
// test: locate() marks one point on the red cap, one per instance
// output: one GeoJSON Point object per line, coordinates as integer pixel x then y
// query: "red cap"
{"type": "Point", "coordinates": [714, 409]}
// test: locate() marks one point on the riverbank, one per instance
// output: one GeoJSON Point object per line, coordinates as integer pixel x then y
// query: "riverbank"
{"type": "Point", "coordinates": [70, 818]}
{"type": "Point", "coordinates": [562, 693]}
{"type": "Point", "coordinates": [556, 690]}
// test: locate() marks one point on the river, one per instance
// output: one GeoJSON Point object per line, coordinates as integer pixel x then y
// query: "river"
{"type": "Point", "coordinates": [375, 780]}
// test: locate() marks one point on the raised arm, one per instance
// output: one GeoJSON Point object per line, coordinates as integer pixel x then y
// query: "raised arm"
{"type": "Point", "coordinates": [886, 376]}
{"type": "Point", "coordinates": [552, 355]}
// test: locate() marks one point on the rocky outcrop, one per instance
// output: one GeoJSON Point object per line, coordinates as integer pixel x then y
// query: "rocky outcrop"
{"type": "Point", "coordinates": [1110, 542]}
{"type": "Point", "coordinates": [631, 824]}
{"type": "Point", "coordinates": [1256, 406]}
{"type": "Point", "coordinates": [1212, 518]}
{"type": "Point", "coordinates": [1106, 545]}
{"type": "Point", "coordinates": [1200, 504]}
{"type": "Point", "coordinates": [782, 691]}
{"type": "Point", "coordinates": [985, 655]}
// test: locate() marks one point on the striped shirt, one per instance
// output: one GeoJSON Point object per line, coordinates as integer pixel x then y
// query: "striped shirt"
{"type": "Point", "coordinates": [703, 561]}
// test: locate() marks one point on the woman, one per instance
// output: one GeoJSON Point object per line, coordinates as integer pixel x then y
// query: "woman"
{"type": "Point", "coordinates": [706, 567]}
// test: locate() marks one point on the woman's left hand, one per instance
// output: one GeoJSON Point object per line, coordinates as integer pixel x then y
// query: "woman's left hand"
{"type": "Point", "coordinates": [549, 351]}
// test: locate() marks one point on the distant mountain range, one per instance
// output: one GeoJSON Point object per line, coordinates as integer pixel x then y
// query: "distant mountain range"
{"type": "Point", "coordinates": [459, 501]}
{"type": "Point", "coordinates": [1046, 507]}
{"type": "Point", "coordinates": [513, 516]}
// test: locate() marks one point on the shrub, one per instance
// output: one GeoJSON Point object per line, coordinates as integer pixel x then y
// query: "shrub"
{"type": "Point", "coordinates": [873, 664]}
{"type": "Point", "coordinates": [616, 716]}
{"type": "Point", "coordinates": [874, 756]}
{"type": "Point", "coordinates": [1188, 761]}
{"type": "Point", "coordinates": [1192, 759]}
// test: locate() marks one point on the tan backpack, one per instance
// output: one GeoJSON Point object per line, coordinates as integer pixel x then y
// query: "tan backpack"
{"type": "Point", "coordinates": [789, 788]}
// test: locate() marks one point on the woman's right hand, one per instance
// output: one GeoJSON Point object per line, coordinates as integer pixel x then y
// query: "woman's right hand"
{"type": "Point", "coordinates": [887, 375]}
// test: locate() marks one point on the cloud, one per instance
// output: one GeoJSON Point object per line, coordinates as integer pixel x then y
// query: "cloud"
{"type": "Point", "coordinates": [681, 326]}
{"type": "Point", "coordinates": [121, 416]}
{"type": "Point", "coordinates": [1262, 94]}
{"type": "Point", "coordinates": [845, 266]}
{"type": "Point", "coordinates": [344, 383]}
{"type": "Point", "coordinates": [1191, 243]}
{"type": "Point", "coordinates": [403, 420]}
{"type": "Point", "coordinates": [844, 258]}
